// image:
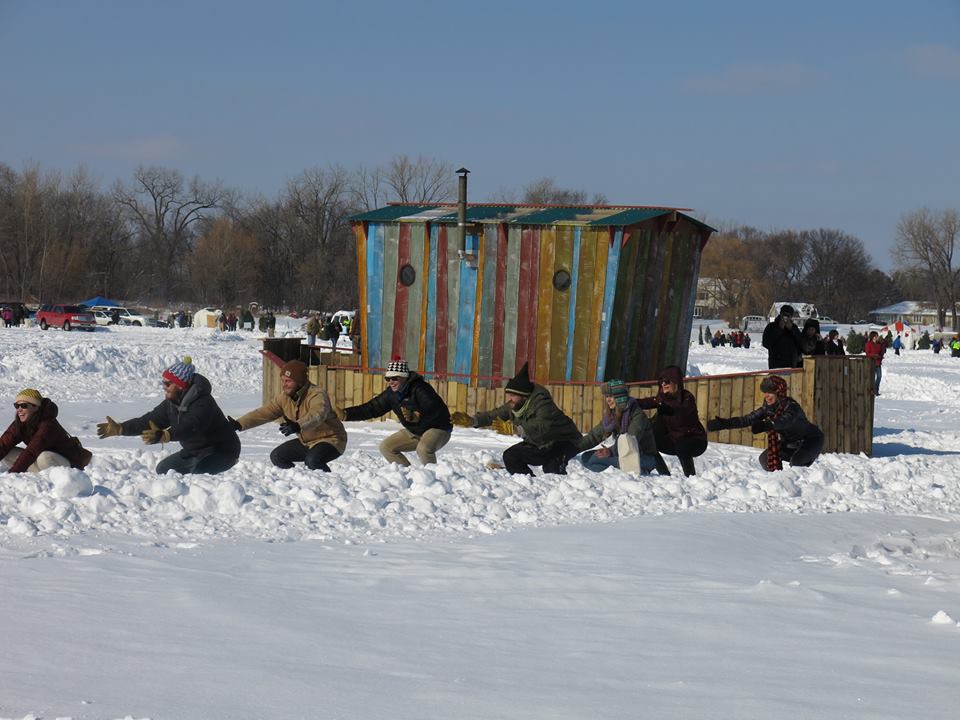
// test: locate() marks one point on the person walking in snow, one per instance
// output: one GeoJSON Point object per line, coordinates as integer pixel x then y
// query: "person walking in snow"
{"type": "Point", "coordinates": [306, 413]}
{"type": "Point", "coordinates": [547, 436]}
{"type": "Point", "coordinates": [632, 446]}
{"type": "Point", "coordinates": [422, 412]}
{"type": "Point", "coordinates": [188, 414]}
{"type": "Point", "coordinates": [35, 425]}
{"type": "Point", "coordinates": [875, 348]}
{"type": "Point", "coordinates": [897, 345]}
{"type": "Point", "coordinates": [676, 426]}
{"type": "Point", "coordinates": [790, 436]}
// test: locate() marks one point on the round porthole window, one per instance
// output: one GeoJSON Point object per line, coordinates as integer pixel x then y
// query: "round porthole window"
{"type": "Point", "coordinates": [561, 280]}
{"type": "Point", "coordinates": [407, 275]}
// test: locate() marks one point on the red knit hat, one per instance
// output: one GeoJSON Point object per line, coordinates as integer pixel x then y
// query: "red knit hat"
{"type": "Point", "coordinates": [181, 373]}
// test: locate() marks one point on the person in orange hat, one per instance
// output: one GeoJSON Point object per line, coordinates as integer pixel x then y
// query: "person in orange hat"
{"type": "Point", "coordinates": [306, 413]}
{"type": "Point", "coordinates": [47, 444]}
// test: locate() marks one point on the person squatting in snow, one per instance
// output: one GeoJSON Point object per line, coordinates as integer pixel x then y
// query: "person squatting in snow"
{"type": "Point", "coordinates": [306, 412]}
{"type": "Point", "coordinates": [676, 426]}
{"type": "Point", "coordinates": [189, 415]}
{"type": "Point", "coordinates": [422, 412]}
{"type": "Point", "coordinates": [790, 436]}
{"type": "Point", "coordinates": [548, 437]}
{"type": "Point", "coordinates": [632, 446]}
{"type": "Point", "coordinates": [47, 443]}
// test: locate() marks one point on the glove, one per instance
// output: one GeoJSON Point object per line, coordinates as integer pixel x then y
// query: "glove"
{"type": "Point", "coordinates": [504, 427]}
{"type": "Point", "coordinates": [153, 434]}
{"type": "Point", "coordinates": [289, 427]}
{"type": "Point", "coordinates": [234, 424]}
{"type": "Point", "coordinates": [461, 419]}
{"type": "Point", "coordinates": [110, 428]}
{"type": "Point", "coordinates": [664, 409]}
{"type": "Point", "coordinates": [718, 423]}
{"type": "Point", "coordinates": [409, 415]}
{"type": "Point", "coordinates": [760, 426]}
{"type": "Point", "coordinates": [340, 413]}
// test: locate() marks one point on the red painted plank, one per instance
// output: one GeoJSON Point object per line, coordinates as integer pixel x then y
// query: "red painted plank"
{"type": "Point", "coordinates": [440, 329]}
{"type": "Point", "coordinates": [499, 309]}
{"type": "Point", "coordinates": [527, 300]}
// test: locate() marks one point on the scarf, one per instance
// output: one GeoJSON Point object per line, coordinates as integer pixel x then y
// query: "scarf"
{"type": "Point", "coordinates": [774, 461]}
{"type": "Point", "coordinates": [616, 421]}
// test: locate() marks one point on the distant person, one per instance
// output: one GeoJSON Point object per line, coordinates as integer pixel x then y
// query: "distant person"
{"type": "Point", "coordinates": [935, 345]}
{"type": "Point", "coordinates": [834, 343]}
{"type": "Point", "coordinates": [781, 338]}
{"type": "Point", "coordinates": [746, 341]}
{"type": "Point", "coordinates": [307, 414]}
{"type": "Point", "coordinates": [188, 415]}
{"type": "Point", "coordinates": [624, 434]}
{"type": "Point", "coordinates": [875, 348]}
{"type": "Point", "coordinates": [676, 426]}
{"type": "Point", "coordinates": [548, 437]}
{"type": "Point", "coordinates": [115, 316]}
{"type": "Point", "coordinates": [421, 411]}
{"type": "Point", "coordinates": [271, 324]}
{"type": "Point", "coordinates": [897, 345]}
{"type": "Point", "coordinates": [312, 328]}
{"type": "Point", "coordinates": [7, 316]}
{"type": "Point", "coordinates": [790, 436]}
{"type": "Point", "coordinates": [810, 341]}
{"type": "Point", "coordinates": [48, 445]}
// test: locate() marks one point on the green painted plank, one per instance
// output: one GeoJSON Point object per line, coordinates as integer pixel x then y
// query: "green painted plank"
{"type": "Point", "coordinates": [510, 302]}
{"type": "Point", "coordinates": [391, 249]}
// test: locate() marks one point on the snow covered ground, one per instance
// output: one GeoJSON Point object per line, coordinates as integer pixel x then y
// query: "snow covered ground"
{"type": "Point", "coordinates": [460, 592]}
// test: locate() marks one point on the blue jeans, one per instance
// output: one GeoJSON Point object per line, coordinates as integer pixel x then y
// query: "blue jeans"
{"type": "Point", "coordinates": [877, 374]}
{"type": "Point", "coordinates": [590, 461]}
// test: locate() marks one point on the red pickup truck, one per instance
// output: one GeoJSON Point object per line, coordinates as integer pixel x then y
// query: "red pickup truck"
{"type": "Point", "coordinates": [67, 317]}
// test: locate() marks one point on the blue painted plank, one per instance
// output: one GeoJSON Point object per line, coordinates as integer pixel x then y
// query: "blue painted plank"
{"type": "Point", "coordinates": [374, 292]}
{"type": "Point", "coordinates": [465, 314]}
{"type": "Point", "coordinates": [609, 293]}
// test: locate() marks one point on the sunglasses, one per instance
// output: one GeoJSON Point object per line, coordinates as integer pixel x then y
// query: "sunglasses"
{"type": "Point", "coordinates": [667, 382]}
{"type": "Point", "coordinates": [166, 383]}
{"type": "Point", "coordinates": [23, 406]}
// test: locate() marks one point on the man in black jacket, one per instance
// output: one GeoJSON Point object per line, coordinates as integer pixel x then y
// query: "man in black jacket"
{"type": "Point", "coordinates": [423, 414]}
{"type": "Point", "coordinates": [781, 338]}
{"type": "Point", "coordinates": [188, 415]}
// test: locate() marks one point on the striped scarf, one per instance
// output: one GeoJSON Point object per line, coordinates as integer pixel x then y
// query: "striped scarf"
{"type": "Point", "coordinates": [774, 461]}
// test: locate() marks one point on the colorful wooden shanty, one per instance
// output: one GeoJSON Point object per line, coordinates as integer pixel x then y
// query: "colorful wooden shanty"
{"type": "Point", "coordinates": [584, 293]}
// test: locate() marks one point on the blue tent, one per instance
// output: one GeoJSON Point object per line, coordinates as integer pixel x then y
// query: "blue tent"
{"type": "Point", "coordinates": [99, 300]}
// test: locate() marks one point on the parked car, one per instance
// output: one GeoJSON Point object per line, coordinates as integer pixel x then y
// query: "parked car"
{"type": "Point", "coordinates": [127, 317]}
{"type": "Point", "coordinates": [66, 317]}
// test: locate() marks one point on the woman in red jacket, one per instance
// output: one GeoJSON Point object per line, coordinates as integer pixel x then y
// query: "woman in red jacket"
{"type": "Point", "coordinates": [874, 348]}
{"type": "Point", "coordinates": [47, 443]}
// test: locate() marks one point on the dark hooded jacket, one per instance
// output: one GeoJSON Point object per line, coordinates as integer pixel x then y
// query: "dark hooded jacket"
{"type": "Point", "coordinates": [792, 424]}
{"type": "Point", "coordinates": [812, 345]}
{"type": "Point", "coordinates": [417, 396]}
{"type": "Point", "coordinates": [541, 422]}
{"type": "Point", "coordinates": [42, 432]}
{"type": "Point", "coordinates": [196, 422]}
{"type": "Point", "coordinates": [677, 411]}
{"type": "Point", "coordinates": [783, 345]}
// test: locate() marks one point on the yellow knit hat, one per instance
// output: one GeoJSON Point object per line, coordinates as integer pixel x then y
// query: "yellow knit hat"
{"type": "Point", "coordinates": [31, 396]}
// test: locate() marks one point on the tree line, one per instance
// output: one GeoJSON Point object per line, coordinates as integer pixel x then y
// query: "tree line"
{"type": "Point", "coordinates": [752, 269]}
{"type": "Point", "coordinates": [161, 239]}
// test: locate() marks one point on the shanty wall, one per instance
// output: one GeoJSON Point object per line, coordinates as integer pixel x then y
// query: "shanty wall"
{"type": "Point", "coordinates": [626, 313]}
{"type": "Point", "coordinates": [836, 393]}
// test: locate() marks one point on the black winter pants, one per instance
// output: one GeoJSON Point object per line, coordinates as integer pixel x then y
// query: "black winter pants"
{"type": "Point", "coordinates": [801, 455]}
{"type": "Point", "coordinates": [212, 463]}
{"type": "Point", "coordinates": [518, 458]}
{"type": "Point", "coordinates": [294, 451]}
{"type": "Point", "coordinates": [686, 449]}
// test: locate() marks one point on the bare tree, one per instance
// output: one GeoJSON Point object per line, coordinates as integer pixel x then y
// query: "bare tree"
{"type": "Point", "coordinates": [927, 243]}
{"type": "Point", "coordinates": [163, 210]}
{"type": "Point", "coordinates": [423, 180]}
{"type": "Point", "coordinates": [837, 265]}
{"type": "Point", "coordinates": [735, 286]}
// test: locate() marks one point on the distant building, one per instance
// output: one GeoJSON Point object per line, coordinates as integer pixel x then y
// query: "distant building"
{"type": "Point", "coordinates": [915, 312]}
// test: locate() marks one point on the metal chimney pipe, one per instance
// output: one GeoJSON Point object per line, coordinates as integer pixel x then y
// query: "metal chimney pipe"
{"type": "Point", "coordinates": [462, 210]}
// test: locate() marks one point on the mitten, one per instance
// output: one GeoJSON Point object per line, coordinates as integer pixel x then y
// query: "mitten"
{"type": "Point", "coordinates": [504, 427]}
{"type": "Point", "coordinates": [718, 423]}
{"type": "Point", "coordinates": [340, 413]}
{"type": "Point", "coordinates": [234, 424]}
{"type": "Point", "coordinates": [154, 434]}
{"type": "Point", "coordinates": [461, 419]}
{"type": "Point", "coordinates": [110, 428]}
{"type": "Point", "coordinates": [289, 427]}
{"type": "Point", "coordinates": [760, 426]}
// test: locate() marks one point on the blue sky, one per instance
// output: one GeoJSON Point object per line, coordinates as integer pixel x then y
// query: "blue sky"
{"type": "Point", "coordinates": [779, 115]}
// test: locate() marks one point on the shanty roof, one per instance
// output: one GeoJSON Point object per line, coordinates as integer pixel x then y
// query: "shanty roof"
{"type": "Point", "coordinates": [596, 215]}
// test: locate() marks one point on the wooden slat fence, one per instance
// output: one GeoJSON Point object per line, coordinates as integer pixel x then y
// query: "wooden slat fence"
{"type": "Point", "coordinates": [836, 393]}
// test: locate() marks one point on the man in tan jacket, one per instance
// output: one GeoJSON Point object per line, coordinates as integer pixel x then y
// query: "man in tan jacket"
{"type": "Point", "coordinates": [306, 413]}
